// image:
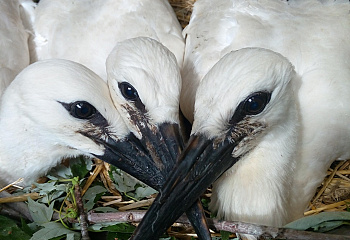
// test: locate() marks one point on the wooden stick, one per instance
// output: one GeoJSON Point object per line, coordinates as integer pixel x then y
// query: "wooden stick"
{"type": "Point", "coordinates": [264, 232]}
{"type": "Point", "coordinates": [107, 181]}
{"type": "Point", "coordinates": [259, 231]}
{"type": "Point", "coordinates": [344, 172]}
{"type": "Point", "coordinates": [21, 198]}
{"type": "Point", "coordinates": [327, 182]}
{"type": "Point", "coordinates": [342, 176]}
{"type": "Point", "coordinates": [92, 177]}
{"type": "Point", "coordinates": [143, 203]}
{"type": "Point", "coordinates": [82, 214]}
{"type": "Point", "coordinates": [329, 206]}
{"type": "Point", "coordinates": [12, 184]}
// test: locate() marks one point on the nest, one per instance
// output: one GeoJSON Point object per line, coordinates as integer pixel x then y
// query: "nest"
{"type": "Point", "coordinates": [183, 10]}
{"type": "Point", "coordinates": [332, 195]}
{"type": "Point", "coordinates": [334, 192]}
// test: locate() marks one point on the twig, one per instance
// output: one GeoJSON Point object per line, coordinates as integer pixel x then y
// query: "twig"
{"type": "Point", "coordinates": [12, 184]}
{"type": "Point", "coordinates": [271, 232]}
{"type": "Point", "coordinates": [326, 207]}
{"type": "Point", "coordinates": [117, 202]}
{"type": "Point", "coordinates": [143, 203]}
{"type": "Point", "coordinates": [339, 171]}
{"type": "Point", "coordinates": [19, 207]}
{"type": "Point", "coordinates": [235, 227]}
{"type": "Point", "coordinates": [130, 217]}
{"type": "Point", "coordinates": [82, 215]}
{"type": "Point", "coordinates": [20, 198]}
{"type": "Point", "coordinates": [107, 181]}
{"type": "Point", "coordinates": [342, 176]}
{"type": "Point", "coordinates": [327, 182]}
{"type": "Point", "coordinates": [92, 177]}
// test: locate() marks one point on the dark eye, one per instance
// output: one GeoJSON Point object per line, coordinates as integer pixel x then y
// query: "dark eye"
{"type": "Point", "coordinates": [128, 91]}
{"type": "Point", "coordinates": [82, 110]}
{"type": "Point", "coordinates": [256, 103]}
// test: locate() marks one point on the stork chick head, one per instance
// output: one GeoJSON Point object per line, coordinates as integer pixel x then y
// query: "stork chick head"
{"type": "Point", "coordinates": [56, 109]}
{"type": "Point", "coordinates": [143, 76]}
{"type": "Point", "coordinates": [244, 94]}
{"type": "Point", "coordinates": [145, 82]}
{"type": "Point", "coordinates": [245, 99]}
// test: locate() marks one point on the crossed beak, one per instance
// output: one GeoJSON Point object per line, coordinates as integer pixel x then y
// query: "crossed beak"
{"type": "Point", "coordinates": [200, 164]}
{"type": "Point", "coordinates": [151, 159]}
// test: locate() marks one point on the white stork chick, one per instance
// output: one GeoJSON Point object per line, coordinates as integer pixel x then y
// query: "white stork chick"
{"type": "Point", "coordinates": [13, 43]}
{"type": "Point", "coordinates": [56, 109]}
{"type": "Point", "coordinates": [314, 37]}
{"type": "Point", "coordinates": [283, 127]}
{"type": "Point", "coordinates": [144, 81]}
{"type": "Point", "coordinates": [86, 31]}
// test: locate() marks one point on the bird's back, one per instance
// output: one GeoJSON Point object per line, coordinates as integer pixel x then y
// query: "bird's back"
{"type": "Point", "coordinates": [86, 31]}
{"type": "Point", "coordinates": [308, 33]}
{"type": "Point", "coordinates": [13, 43]}
{"type": "Point", "coordinates": [314, 36]}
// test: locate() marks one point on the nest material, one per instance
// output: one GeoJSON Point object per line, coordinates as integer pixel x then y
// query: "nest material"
{"type": "Point", "coordinates": [183, 10]}
{"type": "Point", "coordinates": [332, 195]}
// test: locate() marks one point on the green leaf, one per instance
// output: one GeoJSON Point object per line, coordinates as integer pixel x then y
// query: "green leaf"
{"type": "Point", "coordinates": [124, 182]}
{"type": "Point", "coordinates": [10, 231]}
{"type": "Point", "coordinates": [121, 231]}
{"type": "Point", "coordinates": [105, 209]}
{"type": "Point", "coordinates": [142, 192]}
{"type": "Point", "coordinates": [316, 221]}
{"type": "Point", "coordinates": [50, 191]}
{"type": "Point", "coordinates": [52, 230]}
{"type": "Point", "coordinates": [81, 167]}
{"type": "Point", "coordinates": [205, 202]}
{"type": "Point", "coordinates": [220, 238]}
{"type": "Point", "coordinates": [40, 212]}
{"type": "Point", "coordinates": [130, 186]}
{"type": "Point", "coordinates": [327, 226]}
{"type": "Point", "coordinates": [73, 236]}
{"type": "Point", "coordinates": [120, 227]}
{"type": "Point", "coordinates": [225, 235]}
{"type": "Point", "coordinates": [26, 228]}
{"type": "Point", "coordinates": [92, 195]}
{"type": "Point", "coordinates": [119, 236]}
{"type": "Point", "coordinates": [93, 191]}
{"type": "Point", "coordinates": [97, 227]}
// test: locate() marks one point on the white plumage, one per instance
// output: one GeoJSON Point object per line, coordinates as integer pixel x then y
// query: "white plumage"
{"type": "Point", "coordinates": [37, 131]}
{"type": "Point", "coordinates": [306, 124]}
{"type": "Point", "coordinates": [86, 31]}
{"type": "Point", "coordinates": [144, 81]}
{"type": "Point", "coordinates": [13, 43]}
{"type": "Point", "coordinates": [151, 69]}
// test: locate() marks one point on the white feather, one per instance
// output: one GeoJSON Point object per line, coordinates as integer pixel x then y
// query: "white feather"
{"type": "Point", "coordinates": [307, 120]}
{"type": "Point", "coordinates": [36, 131]}
{"type": "Point", "coordinates": [13, 43]}
{"type": "Point", "coordinates": [152, 70]}
{"type": "Point", "coordinates": [86, 31]}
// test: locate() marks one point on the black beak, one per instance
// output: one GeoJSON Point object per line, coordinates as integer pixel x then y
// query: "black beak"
{"type": "Point", "coordinates": [151, 159]}
{"type": "Point", "coordinates": [200, 164]}
{"type": "Point", "coordinates": [164, 144]}
{"type": "Point", "coordinates": [129, 155]}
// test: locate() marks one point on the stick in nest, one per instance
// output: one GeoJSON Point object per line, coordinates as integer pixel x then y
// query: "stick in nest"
{"type": "Point", "coordinates": [183, 10]}
{"type": "Point", "coordinates": [12, 184]}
